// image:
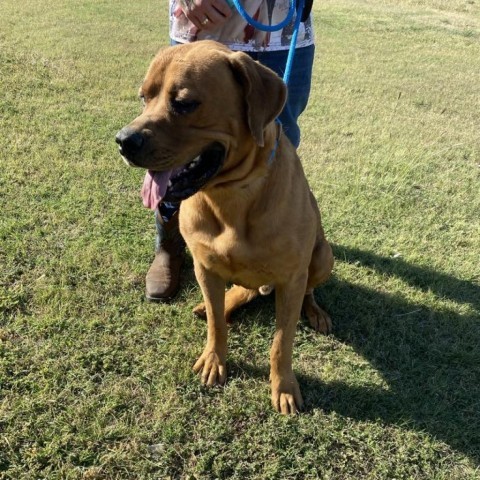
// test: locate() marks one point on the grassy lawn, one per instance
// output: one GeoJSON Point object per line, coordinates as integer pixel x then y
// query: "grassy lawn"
{"type": "Point", "coordinates": [95, 383]}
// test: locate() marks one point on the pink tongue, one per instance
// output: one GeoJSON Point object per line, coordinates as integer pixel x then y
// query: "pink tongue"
{"type": "Point", "coordinates": [154, 188]}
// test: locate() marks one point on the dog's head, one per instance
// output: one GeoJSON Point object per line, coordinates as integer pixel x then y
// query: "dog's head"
{"type": "Point", "coordinates": [202, 103]}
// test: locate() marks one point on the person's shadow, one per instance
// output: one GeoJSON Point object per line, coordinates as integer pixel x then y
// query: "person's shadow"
{"type": "Point", "coordinates": [429, 356]}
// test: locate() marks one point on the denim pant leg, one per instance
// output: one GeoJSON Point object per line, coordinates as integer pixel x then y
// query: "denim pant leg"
{"type": "Point", "coordinates": [298, 86]}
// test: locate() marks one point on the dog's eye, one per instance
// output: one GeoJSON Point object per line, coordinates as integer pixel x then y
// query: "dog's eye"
{"type": "Point", "coordinates": [182, 107]}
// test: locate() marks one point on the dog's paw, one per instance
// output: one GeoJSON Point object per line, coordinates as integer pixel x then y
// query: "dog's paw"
{"type": "Point", "coordinates": [212, 368]}
{"type": "Point", "coordinates": [200, 311]}
{"type": "Point", "coordinates": [286, 396]}
{"type": "Point", "coordinates": [318, 318]}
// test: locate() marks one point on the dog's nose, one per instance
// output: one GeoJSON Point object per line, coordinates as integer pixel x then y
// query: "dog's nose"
{"type": "Point", "coordinates": [129, 141]}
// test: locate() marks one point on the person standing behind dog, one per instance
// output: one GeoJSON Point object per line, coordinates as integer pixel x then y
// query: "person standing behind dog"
{"type": "Point", "coordinates": [192, 20]}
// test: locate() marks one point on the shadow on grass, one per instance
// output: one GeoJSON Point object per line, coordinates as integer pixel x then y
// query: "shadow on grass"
{"type": "Point", "coordinates": [429, 358]}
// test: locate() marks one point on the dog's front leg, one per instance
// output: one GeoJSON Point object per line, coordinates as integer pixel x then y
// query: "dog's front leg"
{"type": "Point", "coordinates": [212, 362]}
{"type": "Point", "coordinates": [286, 396]}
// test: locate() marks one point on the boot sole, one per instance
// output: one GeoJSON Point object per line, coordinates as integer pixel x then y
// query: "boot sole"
{"type": "Point", "coordinates": [165, 299]}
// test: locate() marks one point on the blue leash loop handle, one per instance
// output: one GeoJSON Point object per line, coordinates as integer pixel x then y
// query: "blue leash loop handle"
{"type": "Point", "coordinates": [279, 26]}
{"type": "Point", "coordinates": [261, 26]}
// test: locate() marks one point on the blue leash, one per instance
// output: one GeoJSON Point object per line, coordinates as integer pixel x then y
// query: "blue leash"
{"type": "Point", "coordinates": [279, 26]}
{"type": "Point", "coordinates": [261, 26]}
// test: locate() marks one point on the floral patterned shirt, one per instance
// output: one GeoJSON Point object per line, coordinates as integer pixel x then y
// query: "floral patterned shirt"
{"type": "Point", "coordinates": [237, 34]}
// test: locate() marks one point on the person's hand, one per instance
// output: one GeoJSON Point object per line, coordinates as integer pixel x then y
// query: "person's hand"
{"type": "Point", "coordinates": [206, 14]}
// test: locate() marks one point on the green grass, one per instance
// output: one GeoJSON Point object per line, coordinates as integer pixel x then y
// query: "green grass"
{"type": "Point", "coordinates": [95, 383]}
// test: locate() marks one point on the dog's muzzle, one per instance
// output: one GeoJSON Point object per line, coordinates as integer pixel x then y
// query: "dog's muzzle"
{"type": "Point", "coordinates": [175, 184]}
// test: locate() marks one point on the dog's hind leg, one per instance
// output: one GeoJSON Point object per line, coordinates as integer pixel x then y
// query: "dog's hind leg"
{"type": "Point", "coordinates": [234, 298]}
{"type": "Point", "coordinates": [319, 270]}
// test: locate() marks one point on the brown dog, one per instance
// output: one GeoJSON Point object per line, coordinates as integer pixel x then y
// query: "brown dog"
{"type": "Point", "coordinates": [208, 136]}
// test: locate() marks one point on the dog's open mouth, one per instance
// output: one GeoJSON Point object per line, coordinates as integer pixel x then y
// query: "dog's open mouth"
{"type": "Point", "coordinates": [180, 183]}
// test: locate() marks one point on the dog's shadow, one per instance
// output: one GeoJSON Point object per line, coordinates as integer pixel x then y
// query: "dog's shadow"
{"type": "Point", "coordinates": [428, 357]}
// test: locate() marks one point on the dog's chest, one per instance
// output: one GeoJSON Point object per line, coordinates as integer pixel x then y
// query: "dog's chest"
{"type": "Point", "coordinates": [240, 245]}
{"type": "Point", "coordinates": [233, 257]}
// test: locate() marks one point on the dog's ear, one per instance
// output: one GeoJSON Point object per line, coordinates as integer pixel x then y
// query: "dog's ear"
{"type": "Point", "coordinates": [264, 91]}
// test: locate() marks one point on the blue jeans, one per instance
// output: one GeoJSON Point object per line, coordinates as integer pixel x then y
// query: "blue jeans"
{"type": "Point", "coordinates": [297, 99]}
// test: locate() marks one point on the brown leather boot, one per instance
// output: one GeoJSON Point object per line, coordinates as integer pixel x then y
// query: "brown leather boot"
{"type": "Point", "coordinates": [163, 277]}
